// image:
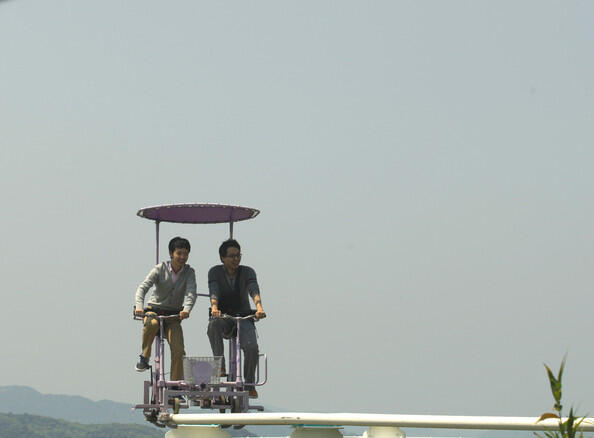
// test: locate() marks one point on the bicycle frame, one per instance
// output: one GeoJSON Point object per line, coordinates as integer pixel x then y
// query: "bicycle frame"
{"type": "Point", "coordinates": [235, 354]}
{"type": "Point", "coordinates": [160, 393]}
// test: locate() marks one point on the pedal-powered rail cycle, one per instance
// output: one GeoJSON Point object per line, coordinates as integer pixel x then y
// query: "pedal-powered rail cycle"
{"type": "Point", "coordinates": [202, 385]}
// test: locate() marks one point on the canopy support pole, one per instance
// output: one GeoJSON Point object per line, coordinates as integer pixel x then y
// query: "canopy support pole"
{"type": "Point", "coordinates": [157, 246]}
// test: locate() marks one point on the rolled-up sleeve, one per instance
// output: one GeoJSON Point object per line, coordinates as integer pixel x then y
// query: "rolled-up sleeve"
{"type": "Point", "coordinates": [151, 279]}
{"type": "Point", "coordinates": [213, 284]}
{"type": "Point", "coordinates": [252, 282]}
{"type": "Point", "coordinates": [190, 295]}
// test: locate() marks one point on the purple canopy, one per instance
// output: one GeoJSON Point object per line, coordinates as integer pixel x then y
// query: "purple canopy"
{"type": "Point", "coordinates": [198, 213]}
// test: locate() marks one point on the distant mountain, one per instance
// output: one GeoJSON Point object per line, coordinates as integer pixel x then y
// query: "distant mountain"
{"type": "Point", "coordinates": [34, 426]}
{"type": "Point", "coordinates": [26, 400]}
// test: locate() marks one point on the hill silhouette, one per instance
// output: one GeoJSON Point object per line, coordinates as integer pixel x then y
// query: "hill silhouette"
{"type": "Point", "coordinates": [18, 399]}
{"type": "Point", "coordinates": [35, 426]}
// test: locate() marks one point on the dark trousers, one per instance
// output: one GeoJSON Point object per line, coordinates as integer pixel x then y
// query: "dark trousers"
{"type": "Point", "coordinates": [220, 328]}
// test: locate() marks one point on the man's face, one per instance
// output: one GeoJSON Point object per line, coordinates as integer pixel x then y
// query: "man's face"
{"type": "Point", "coordinates": [179, 257]}
{"type": "Point", "coordinates": [232, 259]}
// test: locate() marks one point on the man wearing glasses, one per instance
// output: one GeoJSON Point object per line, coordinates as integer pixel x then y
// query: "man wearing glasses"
{"type": "Point", "coordinates": [230, 286]}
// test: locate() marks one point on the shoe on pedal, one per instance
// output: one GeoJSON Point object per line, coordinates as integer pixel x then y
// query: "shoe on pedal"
{"type": "Point", "coordinates": [142, 364]}
{"type": "Point", "coordinates": [253, 393]}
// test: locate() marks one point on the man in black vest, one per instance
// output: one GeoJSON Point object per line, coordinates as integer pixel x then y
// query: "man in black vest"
{"type": "Point", "coordinates": [230, 286]}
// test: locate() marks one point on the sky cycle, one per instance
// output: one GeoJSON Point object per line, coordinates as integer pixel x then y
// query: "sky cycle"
{"type": "Point", "coordinates": [202, 385]}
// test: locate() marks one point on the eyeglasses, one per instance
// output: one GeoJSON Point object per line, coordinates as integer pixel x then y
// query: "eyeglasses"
{"type": "Point", "coordinates": [234, 256]}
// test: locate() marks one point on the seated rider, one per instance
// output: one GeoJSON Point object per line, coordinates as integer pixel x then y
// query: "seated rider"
{"type": "Point", "coordinates": [230, 286]}
{"type": "Point", "coordinates": [174, 294]}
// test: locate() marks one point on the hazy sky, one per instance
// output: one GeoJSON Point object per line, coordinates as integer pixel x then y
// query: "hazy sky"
{"type": "Point", "coordinates": [424, 171]}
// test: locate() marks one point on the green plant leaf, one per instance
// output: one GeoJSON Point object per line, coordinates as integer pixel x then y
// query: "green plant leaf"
{"type": "Point", "coordinates": [561, 368]}
{"type": "Point", "coordinates": [578, 421]}
{"type": "Point", "coordinates": [569, 427]}
{"type": "Point", "coordinates": [546, 416]}
{"type": "Point", "coordinates": [570, 424]}
{"type": "Point", "coordinates": [547, 434]}
{"type": "Point", "coordinates": [555, 386]}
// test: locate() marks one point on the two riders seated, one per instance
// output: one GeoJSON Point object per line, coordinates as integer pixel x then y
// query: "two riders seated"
{"type": "Point", "coordinates": [230, 287]}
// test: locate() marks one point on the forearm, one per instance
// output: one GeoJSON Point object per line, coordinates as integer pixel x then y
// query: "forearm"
{"type": "Point", "coordinates": [140, 294]}
{"type": "Point", "coordinates": [213, 290]}
{"type": "Point", "coordinates": [214, 307]}
{"type": "Point", "coordinates": [258, 302]}
{"type": "Point", "coordinates": [190, 296]}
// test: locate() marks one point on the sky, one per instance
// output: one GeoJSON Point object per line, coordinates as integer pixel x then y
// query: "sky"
{"type": "Point", "coordinates": [423, 171]}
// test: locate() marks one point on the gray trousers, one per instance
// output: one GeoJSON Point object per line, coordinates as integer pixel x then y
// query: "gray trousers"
{"type": "Point", "coordinates": [220, 328]}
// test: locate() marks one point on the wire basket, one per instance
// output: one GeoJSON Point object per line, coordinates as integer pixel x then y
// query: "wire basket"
{"type": "Point", "coordinates": [199, 370]}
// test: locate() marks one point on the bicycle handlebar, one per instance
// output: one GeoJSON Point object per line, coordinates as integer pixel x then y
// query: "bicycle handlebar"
{"type": "Point", "coordinates": [141, 317]}
{"type": "Point", "coordinates": [224, 315]}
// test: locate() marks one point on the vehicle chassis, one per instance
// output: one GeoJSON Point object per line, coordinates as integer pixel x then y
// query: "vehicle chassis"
{"type": "Point", "coordinates": [161, 395]}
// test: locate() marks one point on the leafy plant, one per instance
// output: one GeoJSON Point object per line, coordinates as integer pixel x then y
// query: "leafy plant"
{"type": "Point", "coordinates": [569, 427]}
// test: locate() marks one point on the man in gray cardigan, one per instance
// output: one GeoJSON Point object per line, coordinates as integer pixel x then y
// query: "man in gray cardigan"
{"type": "Point", "coordinates": [174, 294]}
{"type": "Point", "coordinates": [231, 286]}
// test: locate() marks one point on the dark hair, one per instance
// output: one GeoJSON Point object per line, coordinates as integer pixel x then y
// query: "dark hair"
{"type": "Point", "coordinates": [178, 242]}
{"type": "Point", "coordinates": [231, 243]}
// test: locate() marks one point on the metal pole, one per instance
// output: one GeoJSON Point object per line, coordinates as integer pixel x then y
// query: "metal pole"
{"type": "Point", "coordinates": [230, 229]}
{"type": "Point", "coordinates": [162, 350]}
{"type": "Point", "coordinates": [157, 232]}
{"type": "Point", "coordinates": [155, 375]}
{"type": "Point", "coordinates": [232, 366]}
{"type": "Point", "coordinates": [356, 419]}
{"type": "Point", "coordinates": [238, 352]}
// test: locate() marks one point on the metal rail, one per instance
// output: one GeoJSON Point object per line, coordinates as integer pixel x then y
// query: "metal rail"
{"type": "Point", "coordinates": [346, 419]}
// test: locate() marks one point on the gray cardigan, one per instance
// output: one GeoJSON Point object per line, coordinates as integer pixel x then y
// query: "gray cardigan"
{"type": "Point", "coordinates": [167, 295]}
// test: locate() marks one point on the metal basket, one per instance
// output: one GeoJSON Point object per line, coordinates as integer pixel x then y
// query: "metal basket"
{"type": "Point", "coordinates": [199, 370]}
